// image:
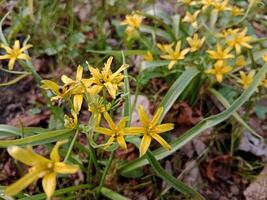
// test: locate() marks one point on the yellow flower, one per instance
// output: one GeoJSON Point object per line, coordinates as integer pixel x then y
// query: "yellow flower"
{"type": "Point", "coordinates": [188, 2]}
{"type": "Point", "coordinates": [220, 5]}
{"type": "Point", "coordinates": [236, 11]}
{"type": "Point", "coordinates": [175, 54]}
{"type": "Point", "coordinates": [228, 32]}
{"type": "Point", "coordinates": [238, 40]}
{"type": "Point", "coordinates": [133, 22]}
{"type": "Point", "coordinates": [206, 3]}
{"type": "Point", "coordinates": [148, 56]}
{"type": "Point", "coordinates": [244, 79]}
{"type": "Point", "coordinates": [152, 129]}
{"type": "Point", "coordinates": [265, 58]}
{"type": "Point", "coordinates": [78, 88]}
{"type": "Point", "coordinates": [41, 167]}
{"type": "Point", "coordinates": [116, 132]}
{"type": "Point", "coordinates": [240, 61]}
{"type": "Point", "coordinates": [15, 53]}
{"type": "Point", "coordinates": [165, 48]}
{"type": "Point", "coordinates": [219, 70]}
{"type": "Point", "coordinates": [191, 18]}
{"type": "Point", "coordinates": [71, 122]}
{"type": "Point", "coordinates": [97, 107]}
{"type": "Point", "coordinates": [220, 54]}
{"type": "Point", "coordinates": [105, 78]}
{"type": "Point", "coordinates": [195, 43]}
{"type": "Point", "coordinates": [60, 92]}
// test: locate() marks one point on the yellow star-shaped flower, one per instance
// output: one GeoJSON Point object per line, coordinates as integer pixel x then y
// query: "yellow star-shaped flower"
{"type": "Point", "coordinates": [220, 54]}
{"type": "Point", "coordinates": [191, 18]}
{"type": "Point", "coordinates": [175, 54]}
{"type": "Point", "coordinates": [133, 22]}
{"type": "Point", "coordinates": [246, 79]}
{"type": "Point", "coordinates": [195, 42]}
{"type": "Point", "coordinates": [15, 53]}
{"type": "Point", "coordinates": [105, 78]}
{"type": "Point", "coordinates": [219, 70]}
{"type": "Point", "coordinates": [41, 167]}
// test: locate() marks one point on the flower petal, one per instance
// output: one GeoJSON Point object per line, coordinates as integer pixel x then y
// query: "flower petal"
{"type": "Point", "coordinates": [25, 48]}
{"type": "Point", "coordinates": [156, 117]}
{"type": "Point", "coordinates": [16, 45]}
{"type": "Point", "coordinates": [171, 64]}
{"type": "Point", "coordinates": [77, 102]}
{"type": "Point", "coordinates": [111, 89]}
{"type": "Point", "coordinates": [109, 121]}
{"type": "Point", "coordinates": [26, 156]}
{"type": "Point", "coordinates": [144, 145]}
{"type": "Point", "coordinates": [4, 57]}
{"type": "Point", "coordinates": [134, 130]}
{"type": "Point", "coordinates": [122, 122]}
{"type": "Point", "coordinates": [65, 79]}
{"type": "Point", "coordinates": [54, 155]}
{"type": "Point", "coordinates": [161, 141]}
{"type": "Point", "coordinates": [79, 73]}
{"type": "Point", "coordinates": [11, 63]}
{"type": "Point", "coordinates": [104, 131]}
{"type": "Point", "coordinates": [23, 182]}
{"type": "Point", "coordinates": [49, 184]}
{"type": "Point", "coordinates": [24, 56]}
{"type": "Point", "coordinates": [121, 142]}
{"type": "Point", "coordinates": [164, 127]}
{"type": "Point", "coordinates": [63, 168]}
{"type": "Point", "coordinates": [143, 116]}
{"type": "Point", "coordinates": [7, 48]}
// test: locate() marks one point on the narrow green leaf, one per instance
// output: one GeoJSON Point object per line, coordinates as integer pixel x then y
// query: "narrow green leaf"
{"type": "Point", "coordinates": [201, 126]}
{"type": "Point", "coordinates": [174, 182]}
{"type": "Point", "coordinates": [42, 138]}
{"type": "Point", "coordinates": [177, 88]}
{"type": "Point", "coordinates": [226, 104]}
{"type": "Point", "coordinates": [112, 195]}
{"type": "Point", "coordinates": [118, 52]}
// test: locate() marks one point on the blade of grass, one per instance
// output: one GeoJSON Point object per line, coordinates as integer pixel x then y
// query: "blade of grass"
{"type": "Point", "coordinates": [112, 195]}
{"type": "Point", "coordinates": [175, 183]}
{"type": "Point", "coordinates": [42, 138]}
{"type": "Point", "coordinates": [226, 104]}
{"type": "Point", "coordinates": [118, 52]}
{"type": "Point", "coordinates": [201, 126]}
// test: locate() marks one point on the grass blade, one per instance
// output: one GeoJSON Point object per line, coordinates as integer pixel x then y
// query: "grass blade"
{"type": "Point", "coordinates": [175, 183]}
{"type": "Point", "coordinates": [112, 195]}
{"type": "Point", "coordinates": [201, 126]}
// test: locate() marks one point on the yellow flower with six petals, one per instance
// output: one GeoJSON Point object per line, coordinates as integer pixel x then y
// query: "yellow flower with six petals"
{"type": "Point", "coordinates": [133, 22]}
{"type": "Point", "coordinates": [41, 167]}
{"type": "Point", "coordinates": [191, 18]}
{"type": "Point", "coordinates": [15, 53]}
{"type": "Point", "coordinates": [175, 54]}
{"type": "Point", "coordinates": [246, 79]}
{"type": "Point", "coordinates": [219, 70]}
{"type": "Point", "coordinates": [105, 78]}
{"type": "Point", "coordinates": [220, 54]}
{"type": "Point", "coordinates": [195, 42]}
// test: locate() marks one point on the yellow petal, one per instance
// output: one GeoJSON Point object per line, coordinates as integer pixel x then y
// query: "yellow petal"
{"type": "Point", "coordinates": [11, 63]}
{"type": "Point", "coordinates": [63, 168]}
{"type": "Point", "coordinates": [144, 145]}
{"type": "Point", "coordinates": [50, 85]}
{"type": "Point", "coordinates": [161, 141]}
{"type": "Point", "coordinates": [134, 130]}
{"type": "Point", "coordinates": [95, 72]}
{"type": "Point", "coordinates": [7, 48]}
{"type": "Point", "coordinates": [109, 120]}
{"type": "Point", "coordinates": [49, 184]}
{"type": "Point", "coordinates": [143, 116]}
{"type": "Point", "coordinates": [109, 142]}
{"type": "Point", "coordinates": [24, 56]}
{"type": "Point", "coordinates": [4, 57]}
{"type": "Point", "coordinates": [79, 73]}
{"type": "Point", "coordinates": [77, 102]}
{"type": "Point", "coordinates": [16, 45]}
{"type": "Point", "coordinates": [27, 156]}
{"type": "Point", "coordinates": [25, 48]}
{"type": "Point", "coordinates": [156, 117]}
{"type": "Point", "coordinates": [122, 68]}
{"type": "Point", "coordinates": [54, 155]}
{"type": "Point", "coordinates": [65, 79]}
{"type": "Point", "coordinates": [104, 131]}
{"type": "Point", "coordinates": [111, 89]}
{"type": "Point", "coordinates": [121, 142]}
{"type": "Point", "coordinates": [122, 122]}
{"type": "Point", "coordinates": [24, 182]}
{"type": "Point", "coordinates": [107, 65]}
{"type": "Point", "coordinates": [171, 64]}
{"type": "Point", "coordinates": [164, 127]}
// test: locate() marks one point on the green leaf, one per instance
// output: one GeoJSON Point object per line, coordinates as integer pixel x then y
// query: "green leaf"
{"type": "Point", "coordinates": [118, 52]}
{"type": "Point", "coordinates": [226, 104]}
{"type": "Point", "coordinates": [172, 181]}
{"type": "Point", "coordinates": [42, 138]}
{"type": "Point", "coordinates": [159, 32]}
{"type": "Point", "coordinates": [261, 111]}
{"type": "Point", "coordinates": [112, 195]}
{"type": "Point", "coordinates": [177, 88]}
{"type": "Point", "coordinates": [201, 126]}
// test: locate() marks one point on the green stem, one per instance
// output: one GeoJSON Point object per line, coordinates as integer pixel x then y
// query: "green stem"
{"type": "Point", "coordinates": [71, 146]}
{"type": "Point", "coordinates": [103, 178]}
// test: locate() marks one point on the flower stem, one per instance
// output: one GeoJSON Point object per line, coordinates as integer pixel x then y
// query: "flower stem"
{"type": "Point", "coordinates": [71, 146]}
